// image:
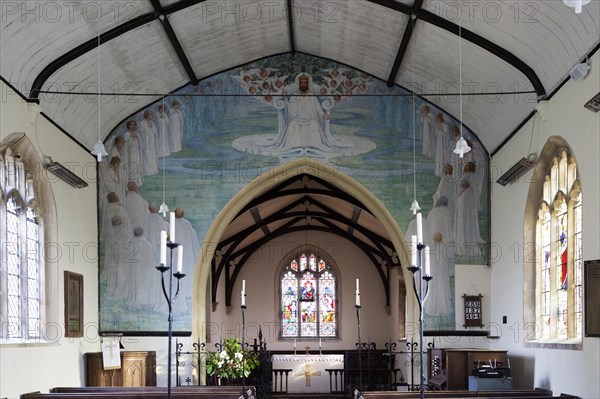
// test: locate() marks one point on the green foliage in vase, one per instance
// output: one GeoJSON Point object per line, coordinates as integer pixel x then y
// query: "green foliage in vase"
{"type": "Point", "coordinates": [231, 362]}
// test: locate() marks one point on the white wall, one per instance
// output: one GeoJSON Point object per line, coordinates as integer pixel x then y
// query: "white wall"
{"type": "Point", "coordinates": [262, 303]}
{"type": "Point", "coordinates": [41, 366]}
{"type": "Point", "coordinates": [569, 371]}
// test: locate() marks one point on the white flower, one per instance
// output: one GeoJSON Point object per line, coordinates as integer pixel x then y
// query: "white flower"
{"type": "Point", "coordinates": [224, 355]}
{"type": "Point", "coordinates": [238, 356]}
{"type": "Point", "coordinates": [220, 364]}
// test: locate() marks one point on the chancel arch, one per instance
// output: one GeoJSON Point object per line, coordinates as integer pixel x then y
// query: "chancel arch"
{"type": "Point", "coordinates": [385, 244]}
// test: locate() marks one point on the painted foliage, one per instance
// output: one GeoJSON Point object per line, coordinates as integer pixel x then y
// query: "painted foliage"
{"type": "Point", "coordinates": [196, 149]}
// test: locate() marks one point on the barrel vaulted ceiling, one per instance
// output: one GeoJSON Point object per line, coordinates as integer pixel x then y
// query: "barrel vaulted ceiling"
{"type": "Point", "coordinates": [149, 47]}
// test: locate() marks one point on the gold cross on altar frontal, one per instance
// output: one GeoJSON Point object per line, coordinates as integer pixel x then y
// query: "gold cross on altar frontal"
{"type": "Point", "coordinates": [308, 373]}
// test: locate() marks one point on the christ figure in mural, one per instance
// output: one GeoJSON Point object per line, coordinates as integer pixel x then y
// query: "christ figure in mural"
{"type": "Point", "coordinates": [306, 116]}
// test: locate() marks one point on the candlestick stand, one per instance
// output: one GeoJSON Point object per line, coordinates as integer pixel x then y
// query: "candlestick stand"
{"type": "Point", "coordinates": [170, 299]}
{"type": "Point", "coordinates": [421, 293]}
{"type": "Point", "coordinates": [359, 348]}
{"type": "Point", "coordinates": [243, 307]}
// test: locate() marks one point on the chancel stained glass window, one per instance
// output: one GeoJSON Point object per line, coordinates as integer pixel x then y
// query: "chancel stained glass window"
{"type": "Point", "coordinates": [308, 296]}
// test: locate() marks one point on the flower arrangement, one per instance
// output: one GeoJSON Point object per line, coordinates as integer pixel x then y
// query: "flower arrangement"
{"type": "Point", "coordinates": [231, 362]}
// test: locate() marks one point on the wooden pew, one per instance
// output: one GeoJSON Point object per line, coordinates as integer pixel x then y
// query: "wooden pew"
{"type": "Point", "coordinates": [195, 392]}
{"type": "Point", "coordinates": [519, 394]}
{"type": "Point", "coordinates": [133, 395]}
{"type": "Point", "coordinates": [191, 388]}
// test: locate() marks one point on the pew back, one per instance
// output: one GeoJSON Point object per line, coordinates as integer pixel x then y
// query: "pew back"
{"type": "Point", "coordinates": [195, 392]}
{"type": "Point", "coordinates": [514, 394]}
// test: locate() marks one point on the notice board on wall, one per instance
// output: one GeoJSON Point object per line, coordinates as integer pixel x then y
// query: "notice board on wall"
{"type": "Point", "coordinates": [592, 297]}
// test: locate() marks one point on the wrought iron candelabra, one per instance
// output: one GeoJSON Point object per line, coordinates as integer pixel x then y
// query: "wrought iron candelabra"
{"type": "Point", "coordinates": [243, 307]}
{"type": "Point", "coordinates": [170, 297]}
{"type": "Point", "coordinates": [357, 306]}
{"type": "Point", "coordinates": [421, 268]}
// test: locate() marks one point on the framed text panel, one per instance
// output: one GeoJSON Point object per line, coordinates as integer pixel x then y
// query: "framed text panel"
{"type": "Point", "coordinates": [73, 304]}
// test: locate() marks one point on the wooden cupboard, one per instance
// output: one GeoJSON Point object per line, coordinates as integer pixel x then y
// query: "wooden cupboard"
{"type": "Point", "coordinates": [449, 369]}
{"type": "Point", "coordinates": [137, 369]}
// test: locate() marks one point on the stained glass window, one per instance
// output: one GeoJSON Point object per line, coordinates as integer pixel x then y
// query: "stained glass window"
{"type": "Point", "coordinates": [545, 270]}
{"type": "Point", "coordinates": [21, 233]}
{"type": "Point", "coordinates": [13, 263]}
{"type": "Point", "coordinates": [33, 273]}
{"type": "Point", "coordinates": [560, 261]}
{"type": "Point", "coordinates": [308, 297]}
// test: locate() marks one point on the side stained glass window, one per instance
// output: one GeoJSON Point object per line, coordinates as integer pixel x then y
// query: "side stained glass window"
{"type": "Point", "coordinates": [308, 297]}
{"type": "Point", "coordinates": [559, 240]}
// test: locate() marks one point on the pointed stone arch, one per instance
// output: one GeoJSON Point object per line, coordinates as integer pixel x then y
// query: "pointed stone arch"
{"type": "Point", "coordinates": [263, 184]}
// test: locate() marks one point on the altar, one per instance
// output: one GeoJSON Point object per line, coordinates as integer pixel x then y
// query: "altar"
{"type": "Point", "coordinates": [308, 373]}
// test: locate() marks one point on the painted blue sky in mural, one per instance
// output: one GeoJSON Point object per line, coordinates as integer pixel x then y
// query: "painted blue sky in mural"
{"type": "Point", "coordinates": [197, 149]}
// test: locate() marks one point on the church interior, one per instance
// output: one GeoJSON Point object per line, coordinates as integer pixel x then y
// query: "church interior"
{"type": "Point", "coordinates": [289, 198]}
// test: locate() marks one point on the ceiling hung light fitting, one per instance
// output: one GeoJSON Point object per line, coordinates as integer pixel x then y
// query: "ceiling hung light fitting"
{"type": "Point", "coordinates": [580, 71]}
{"type": "Point", "coordinates": [576, 4]}
{"type": "Point", "coordinates": [461, 145]}
{"type": "Point", "coordinates": [99, 151]}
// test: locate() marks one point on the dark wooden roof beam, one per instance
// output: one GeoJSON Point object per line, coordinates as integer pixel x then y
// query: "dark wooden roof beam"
{"type": "Point", "coordinates": [183, 59]}
{"type": "Point", "coordinates": [486, 44]}
{"type": "Point", "coordinates": [408, 32]}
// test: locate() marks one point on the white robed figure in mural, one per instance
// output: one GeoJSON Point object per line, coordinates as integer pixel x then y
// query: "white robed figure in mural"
{"type": "Point", "coordinates": [113, 208]}
{"type": "Point", "coordinates": [163, 125]}
{"type": "Point", "coordinates": [176, 127]}
{"type": "Point", "coordinates": [447, 188]}
{"type": "Point", "coordinates": [426, 120]}
{"type": "Point", "coordinates": [186, 235]}
{"type": "Point", "coordinates": [137, 207]}
{"type": "Point", "coordinates": [467, 232]}
{"type": "Point", "coordinates": [442, 254]}
{"type": "Point", "coordinates": [117, 256]}
{"type": "Point", "coordinates": [149, 139]}
{"type": "Point", "coordinates": [134, 149]}
{"type": "Point", "coordinates": [142, 272]}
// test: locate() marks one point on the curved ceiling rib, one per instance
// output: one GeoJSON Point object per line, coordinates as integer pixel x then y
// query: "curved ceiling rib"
{"type": "Point", "coordinates": [451, 27]}
{"type": "Point", "coordinates": [162, 12]}
{"type": "Point", "coordinates": [82, 49]}
{"type": "Point", "coordinates": [487, 45]}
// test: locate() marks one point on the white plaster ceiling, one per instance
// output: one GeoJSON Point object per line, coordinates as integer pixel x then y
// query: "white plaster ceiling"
{"type": "Point", "coordinates": [508, 45]}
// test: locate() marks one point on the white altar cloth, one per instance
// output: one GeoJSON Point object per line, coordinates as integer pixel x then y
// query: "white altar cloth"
{"type": "Point", "coordinates": [308, 371]}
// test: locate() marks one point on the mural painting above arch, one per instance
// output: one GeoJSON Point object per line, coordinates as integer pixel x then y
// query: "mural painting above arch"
{"type": "Point", "coordinates": [196, 149]}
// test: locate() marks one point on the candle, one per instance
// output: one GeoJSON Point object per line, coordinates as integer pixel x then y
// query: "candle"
{"type": "Point", "coordinates": [172, 227]}
{"type": "Point", "coordinates": [427, 266]}
{"type": "Point", "coordinates": [243, 292]}
{"type": "Point", "coordinates": [419, 228]}
{"type": "Point", "coordinates": [357, 294]}
{"type": "Point", "coordinates": [319, 343]}
{"type": "Point", "coordinates": [294, 343]}
{"type": "Point", "coordinates": [163, 247]}
{"type": "Point", "coordinates": [413, 250]}
{"type": "Point", "coordinates": [180, 259]}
